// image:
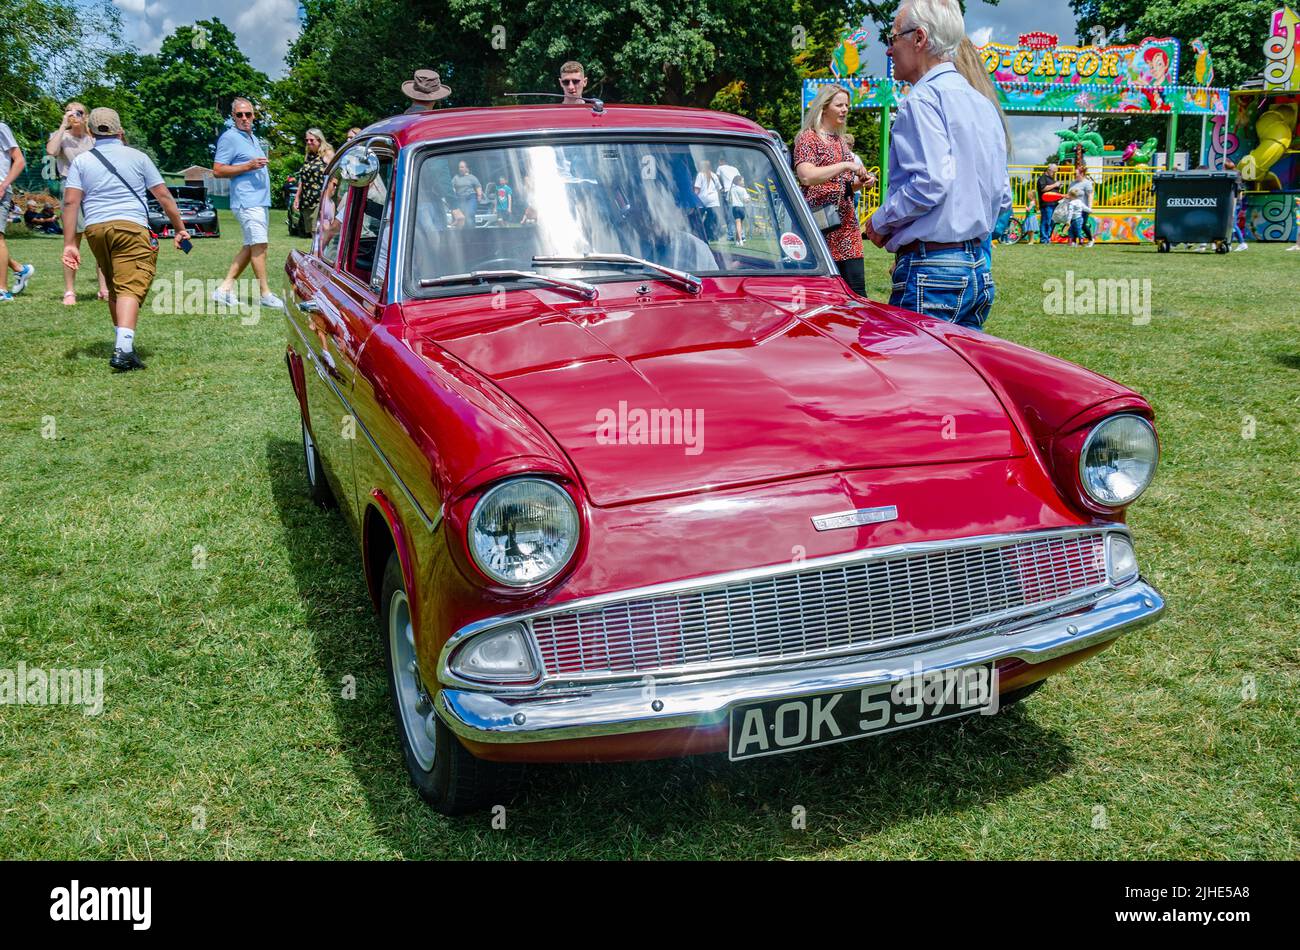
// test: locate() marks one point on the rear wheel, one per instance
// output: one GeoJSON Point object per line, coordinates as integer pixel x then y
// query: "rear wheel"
{"type": "Point", "coordinates": [318, 489]}
{"type": "Point", "coordinates": [443, 772]}
{"type": "Point", "coordinates": [1163, 246]}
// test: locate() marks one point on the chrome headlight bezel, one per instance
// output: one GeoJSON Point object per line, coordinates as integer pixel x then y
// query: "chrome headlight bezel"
{"type": "Point", "coordinates": [545, 485]}
{"type": "Point", "coordinates": [1099, 429]}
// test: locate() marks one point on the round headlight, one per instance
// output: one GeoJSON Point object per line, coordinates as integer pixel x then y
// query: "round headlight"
{"type": "Point", "coordinates": [1118, 460]}
{"type": "Point", "coordinates": [523, 532]}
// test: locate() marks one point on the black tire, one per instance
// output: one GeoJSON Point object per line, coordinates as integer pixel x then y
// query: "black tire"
{"type": "Point", "coordinates": [1220, 247]}
{"type": "Point", "coordinates": [1016, 695]}
{"type": "Point", "coordinates": [1163, 247]}
{"type": "Point", "coordinates": [455, 782]}
{"type": "Point", "coordinates": [318, 487]}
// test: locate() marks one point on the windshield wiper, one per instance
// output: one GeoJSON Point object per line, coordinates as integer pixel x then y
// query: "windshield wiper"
{"type": "Point", "coordinates": [581, 288]}
{"type": "Point", "coordinates": [681, 278]}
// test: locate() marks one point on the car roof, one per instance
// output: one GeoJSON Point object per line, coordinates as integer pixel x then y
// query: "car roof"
{"type": "Point", "coordinates": [495, 120]}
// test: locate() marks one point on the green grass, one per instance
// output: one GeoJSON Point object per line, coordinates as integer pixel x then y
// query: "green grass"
{"type": "Point", "coordinates": [223, 683]}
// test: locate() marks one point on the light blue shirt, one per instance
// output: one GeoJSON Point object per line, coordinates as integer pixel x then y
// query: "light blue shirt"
{"type": "Point", "coordinates": [948, 178]}
{"type": "Point", "coordinates": [252, 189]}
{"type": "Point", "coordinates": [103, 197]}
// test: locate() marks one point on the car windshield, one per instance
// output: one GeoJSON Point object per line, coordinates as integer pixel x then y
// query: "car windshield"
{"type": "Point", "coordinates": [706, 208]}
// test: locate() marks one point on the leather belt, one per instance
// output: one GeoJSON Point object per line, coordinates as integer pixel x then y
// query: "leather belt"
{"type": "Point", "coordinates": [912, 246]}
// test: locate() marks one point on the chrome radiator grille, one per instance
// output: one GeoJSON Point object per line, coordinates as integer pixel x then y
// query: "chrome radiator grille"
{"type": "Point", "coordinates": [866, 605]}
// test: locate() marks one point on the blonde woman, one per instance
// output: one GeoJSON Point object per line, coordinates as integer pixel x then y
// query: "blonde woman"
{"type": "Point", "coordinates": [69, 140]}
{"type": "Point", "coordinates": [311, 179]}
{"type": "Point", "coordinates": [973, 70]}
{"type": "Point", "coordinates": [830, 174]}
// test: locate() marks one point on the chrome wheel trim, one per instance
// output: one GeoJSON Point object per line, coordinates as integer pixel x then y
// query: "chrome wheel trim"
{"type": "Point", "coordinates": [309, 450]}
{"type": "Point", "coordinates": [413, 703]}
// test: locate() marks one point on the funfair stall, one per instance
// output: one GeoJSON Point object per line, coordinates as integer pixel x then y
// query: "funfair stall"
{"type": "Point", "coordinates": [1261, 135]}
{"type": "Point", "coordinates": [1040, 76]}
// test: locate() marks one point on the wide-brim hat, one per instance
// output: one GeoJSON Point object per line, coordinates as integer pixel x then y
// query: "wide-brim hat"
{"type": "Point", "coordinates": [426, 86]}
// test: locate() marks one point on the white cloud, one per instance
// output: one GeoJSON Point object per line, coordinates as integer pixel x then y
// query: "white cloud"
{"type": "Point", "coordinates": [982, 35]}
{"type": "Point", "coordinates": [263, 28]}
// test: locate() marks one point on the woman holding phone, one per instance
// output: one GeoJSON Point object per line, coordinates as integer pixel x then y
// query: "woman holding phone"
{"type": "Point", "coordinates": [69, 140]}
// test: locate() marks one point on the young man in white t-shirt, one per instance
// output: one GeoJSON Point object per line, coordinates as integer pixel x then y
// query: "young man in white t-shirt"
{"type": "Point", "coordinates": [12, 164]}
{"type": "Point", "coordinates": [117, 225]}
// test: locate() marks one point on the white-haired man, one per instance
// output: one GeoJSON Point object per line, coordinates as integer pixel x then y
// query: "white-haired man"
{"type": "Point", "coordinates": [948, 178]}
{"type": "Point", "coordinates": [240, 158]}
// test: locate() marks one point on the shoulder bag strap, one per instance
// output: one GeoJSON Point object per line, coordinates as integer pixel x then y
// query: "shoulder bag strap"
{"type": "Point", "coordinates": [118, 175]}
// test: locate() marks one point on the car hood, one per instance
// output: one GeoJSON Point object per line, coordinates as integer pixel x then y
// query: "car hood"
{"type": "Point", "coordinates": [684, 394]}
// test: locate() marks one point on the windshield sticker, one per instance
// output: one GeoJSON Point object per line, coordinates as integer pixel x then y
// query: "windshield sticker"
{"type": "Point", "coordinates": [793, 247]}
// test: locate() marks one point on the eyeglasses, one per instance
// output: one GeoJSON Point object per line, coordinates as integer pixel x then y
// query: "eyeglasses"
{"type": "Point", "coordinates": [895, 36]}
{"type": "Point", "coordinates": [243, 115]}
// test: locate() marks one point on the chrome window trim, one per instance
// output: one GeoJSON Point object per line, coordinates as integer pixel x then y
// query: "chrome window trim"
{"type": "Point", "coordinates": [447, 677]}
{"type": "Point", "coordinates": [416, 150]}
{"type": "Point", "coordinates": [430, 523]}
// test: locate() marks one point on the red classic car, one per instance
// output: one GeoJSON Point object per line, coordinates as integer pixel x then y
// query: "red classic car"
{"type": "Point", "coordinates": [635, 475]}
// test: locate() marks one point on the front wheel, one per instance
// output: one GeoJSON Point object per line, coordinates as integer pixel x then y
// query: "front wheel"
{"type": "Point", "coordinates": [443, 772]}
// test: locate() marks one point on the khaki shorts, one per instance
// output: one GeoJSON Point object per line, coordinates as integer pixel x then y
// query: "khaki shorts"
{"type": "Point", "coordinates": [126, 256]}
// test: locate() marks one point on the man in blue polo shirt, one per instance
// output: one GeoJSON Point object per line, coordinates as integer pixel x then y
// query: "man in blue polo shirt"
{"type": "Point", "coordinates": [241, 159]}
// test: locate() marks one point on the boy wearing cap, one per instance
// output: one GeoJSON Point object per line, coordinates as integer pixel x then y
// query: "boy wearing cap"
{"type": "Point", "coordinates": [241, 159]}
{"type": "Point", "coordinates": [12, 164]}
{"type": "Point", "coordinates": [111, 180]}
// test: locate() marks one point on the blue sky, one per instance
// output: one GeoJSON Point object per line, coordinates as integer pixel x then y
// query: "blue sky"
{"type": "Point", "coordinates": [265, 29]}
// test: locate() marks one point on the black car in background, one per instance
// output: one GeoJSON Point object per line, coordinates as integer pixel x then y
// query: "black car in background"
{"type": "Point", "coordinates": [197, 212]}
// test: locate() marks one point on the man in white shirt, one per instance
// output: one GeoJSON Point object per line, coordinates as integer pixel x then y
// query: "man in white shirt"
{"type": "Point", "coordinates": [111, 181]}
{"type": "Point", "coordinates": [12, 164]}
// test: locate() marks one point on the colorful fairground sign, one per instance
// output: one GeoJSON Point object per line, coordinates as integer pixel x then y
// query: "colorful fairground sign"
{"type": "Point", "coordinates": [1282, 52]}
{"type": "Point", "coordinates": [1041, 76]}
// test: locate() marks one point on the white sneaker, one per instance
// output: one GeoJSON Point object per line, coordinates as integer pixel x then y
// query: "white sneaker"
{"type": "Point", "coordinates": [1092, 241]}
{"type": "Point", "coordinates": [22, 277]}
{"type": "Point", "coordinates": [271, 300]}
{"type": "Point", "coordinates": [1241, 247]}
{"type": "Point", "coordinates": [226, 298]}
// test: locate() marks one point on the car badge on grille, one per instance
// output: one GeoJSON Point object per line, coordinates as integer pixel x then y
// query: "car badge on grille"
{"type": "Point", "coordinates": [855, 518]}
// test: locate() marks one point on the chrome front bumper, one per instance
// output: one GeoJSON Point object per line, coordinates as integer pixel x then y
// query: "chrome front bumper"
{"type": "Point", "coordinates": [624, 708]}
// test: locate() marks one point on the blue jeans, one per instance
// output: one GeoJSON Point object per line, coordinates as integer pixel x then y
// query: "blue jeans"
{"type": "Point", "coordinates": [1045, 225]}
{"type": "Point", "coordinates": [953, 284]}
{"type": "Point", "coordinates": [1238, 235]}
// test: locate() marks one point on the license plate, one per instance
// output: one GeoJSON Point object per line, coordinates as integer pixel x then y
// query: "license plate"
{"type": "Point", "coordinates": [786, 725]}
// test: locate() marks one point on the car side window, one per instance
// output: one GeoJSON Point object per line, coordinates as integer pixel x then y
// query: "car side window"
{"type": "Point", "coordinates": [330, 225]}
{"type": "Point", "coordinates": [370, 259]}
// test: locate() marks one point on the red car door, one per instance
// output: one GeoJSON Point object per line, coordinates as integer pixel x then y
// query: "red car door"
{"type": "Point", "coordinates": [337, 310]}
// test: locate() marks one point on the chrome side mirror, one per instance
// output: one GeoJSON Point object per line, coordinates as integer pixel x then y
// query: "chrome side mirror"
{"type": "Point", "coordinates": [358, 167]}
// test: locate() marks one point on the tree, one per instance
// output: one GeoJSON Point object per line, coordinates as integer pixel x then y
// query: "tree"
{"type": "Point", "coordinates": [184, 91]}
{"type": "Point", "coordinates": [48, 50]}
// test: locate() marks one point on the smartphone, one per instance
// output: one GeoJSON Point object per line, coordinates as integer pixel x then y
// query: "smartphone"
{"type": "Point", "coordinates": [186, 246]}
